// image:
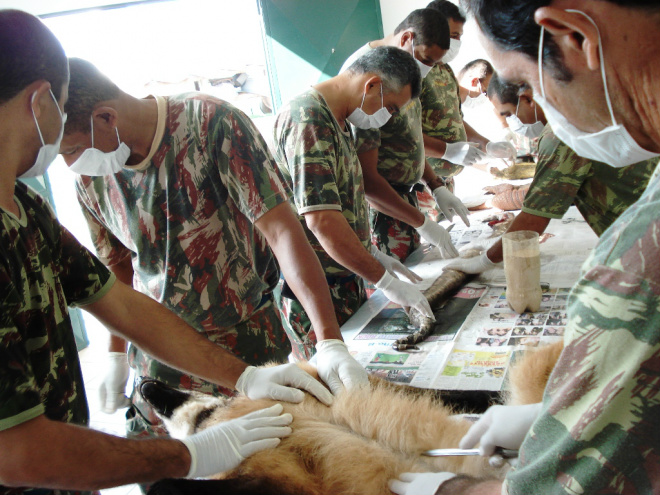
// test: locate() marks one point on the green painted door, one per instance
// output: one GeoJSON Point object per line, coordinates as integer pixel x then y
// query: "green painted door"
{"type": "Point", "coordinates": [307, 41]}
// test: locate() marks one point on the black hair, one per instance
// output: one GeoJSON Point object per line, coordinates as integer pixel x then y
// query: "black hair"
{"type": "Point", "coordinates": [87, 88]}
{"type": "Point", "coordinates": [505, 92]}
{"type": "Point", "coordinates": [397, 68]}
{"type": "Point", "coordinates": [448, 9]}
{"type": "Point", "coordinates": [480, 68]}
{"type": "Point", "coordinates": [430, 27]}
{"type": "Point", "coordinates": [29, 52]}
{"type": "Point", "coordinates": [511, 26]}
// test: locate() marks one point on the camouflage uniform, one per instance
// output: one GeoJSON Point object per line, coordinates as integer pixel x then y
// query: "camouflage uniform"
{"type": "Point", "coordinates": [401, 162]}
{"type": "Point", "coordinates": [318, 160]}
{"type": "Point", "coordinates": [598, 431]}
{"type": "Point", "coordinates": [441, 118]}
{"type": "Point", "coordinates": [186, 218]}
{"type": "Point", "coordinates": [599, 191]}
{"type": "Point", "coordinates": [43, 270]}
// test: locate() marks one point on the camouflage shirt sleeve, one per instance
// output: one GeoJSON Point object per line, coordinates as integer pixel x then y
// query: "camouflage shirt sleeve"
{"type": "Point", "coordinates": [305, 136]}
{"type": "Point", "coordinates": [559, 175]}
{"type": "Point", "coordinates": [598, 430]}
{"type": "Point", "coordinates": [366, 139]}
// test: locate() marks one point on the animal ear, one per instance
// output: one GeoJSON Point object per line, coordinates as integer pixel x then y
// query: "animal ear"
{"type": "Point", "coordinates": [163, 398]}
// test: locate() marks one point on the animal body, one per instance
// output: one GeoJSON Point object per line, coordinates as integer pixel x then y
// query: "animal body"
{"type": "Point", "coordinates": [354, 447]}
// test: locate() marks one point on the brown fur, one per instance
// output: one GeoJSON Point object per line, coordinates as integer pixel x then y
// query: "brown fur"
{"type": "Point", "coordinates": [367, 437]}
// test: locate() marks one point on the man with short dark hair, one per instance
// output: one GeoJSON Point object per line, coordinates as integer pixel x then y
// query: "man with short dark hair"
{"type": "Point", "coordinates": [45, 445]}
{"type": "Point", "coordinates": [316, 154]}
{"type": "Point", "coordinates": [596, 430]}
{"type": "Point", "coordinates": [474, 79]}
{"type": "Point", "coordinates": [392, 156]}
{"type": "Point", "coordinates": [184, 201]}
{"type": "Point", "coordinates": [516, 108]}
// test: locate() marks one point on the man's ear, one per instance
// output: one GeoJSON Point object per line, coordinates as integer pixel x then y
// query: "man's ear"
{"type": "Point", "coordinates": [105, 117]}
{"type": "Point", "coordinates": [37, 95]}
{"type": "Point", "coordinates": [576, 35]}
{"type": "Point", "coordinates": [406, 36]}
{"type": "Point", "coordinates": [474, 82]}
{"type": "Point", "coordinates": [373, 85]}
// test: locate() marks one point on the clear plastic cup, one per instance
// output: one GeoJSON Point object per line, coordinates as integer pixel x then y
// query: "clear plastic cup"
{"type": "Point", "coordinates": [522, 268]}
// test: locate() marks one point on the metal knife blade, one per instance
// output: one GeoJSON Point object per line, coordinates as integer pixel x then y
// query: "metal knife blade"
{"type": "Point", "coordinates": [505, 453]}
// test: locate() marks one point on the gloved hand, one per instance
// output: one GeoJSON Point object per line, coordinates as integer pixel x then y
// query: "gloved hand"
{"type": "Point", "coordinates": [284, 382]}
{"type": "Point", "coordinates": [463, 153]}
{"type": "Point", "coordinates": [224, 446]}
{"type": "Point", "coordinates": [438, 236]}
{"type": "Point", "coordinates": [501, 149]}
{"type": "Point", "coordinates": [404, 294]}
{"type": "Point", "coordinates": [337, 368]}
{"type": "Point", "coordinates": [449, 203]}
{"type": "Point", "coordinates": [474, 265]}
{"type": "Point", "coordinates": [113, 388]}
{"type": "Point", "coordinates": [395, 267]}
{"type": "Point", "coordinates": [501, 426]}
{"type": "Point", "coordinates": [479, 244]}
{"type": "Point", "coordinates": [418, 483]}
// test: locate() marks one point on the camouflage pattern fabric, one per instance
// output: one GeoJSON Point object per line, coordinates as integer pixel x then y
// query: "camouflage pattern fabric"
{"type": "Point", "coordinates": [441, 114]}
{"type": "Point", "coordinates": [43, 270]}
{"type": "Point", "coordinates": [599, 191]}
{"type": "Point", "coordinates": [598, 429]}
{"type": "Point", "coordinates": [393, 237]}
{"type": "Point", "coordinates": [347, 297]}
{"type": "Point", "coordinates": [318, 161]}
{"type": "Point", "coordinates": [201, 256]}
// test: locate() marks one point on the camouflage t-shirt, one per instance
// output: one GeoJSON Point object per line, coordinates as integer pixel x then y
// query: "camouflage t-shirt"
{"type": "Point", "coordinates": [43, 269]}
{"type": "Point", "coordinates": [599, 191]}
{"type": "Point", "coordinates": [400, 145]}
{"type": "Point", "coordinates": [318, 160]}
{"type": "Point", "coordinates": [441, 114]}
{"type": "Point", "coordinates": [186, 219]}
{"type": "Point", "coordinates": [599, 432]}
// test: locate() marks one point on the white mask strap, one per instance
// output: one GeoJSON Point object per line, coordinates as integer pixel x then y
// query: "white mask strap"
{"type": "Point", "coordinates": [91, 123]}
{"type": "Point", "coordinates": [517, 106]}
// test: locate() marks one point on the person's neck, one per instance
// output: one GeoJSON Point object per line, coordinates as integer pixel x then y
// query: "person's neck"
{"type": "Point", "coordinates": [334, 91]}
{"type": "Point", "coordinates": [463, 93]}
{"type": "Point", "coordinates": [12, 146]}
{"type": "Point", "coordinates": [139, 126]}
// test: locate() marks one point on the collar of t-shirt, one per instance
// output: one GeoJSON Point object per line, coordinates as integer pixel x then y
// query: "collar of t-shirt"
{"type": "Point", "coordinates": [158, 136]}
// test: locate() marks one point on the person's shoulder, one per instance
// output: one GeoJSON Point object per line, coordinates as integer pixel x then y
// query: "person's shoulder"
{"type": "Point", "coordinates": [308, 107]}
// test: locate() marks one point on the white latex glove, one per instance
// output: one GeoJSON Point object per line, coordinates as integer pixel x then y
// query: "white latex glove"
{"type": "Point", "coordinates": [395, 267]}
{"type": "Point", "coordinates": [337, 368]}
{"type": "Point", "coordinates": [438, 236]}
{"type": "Point", "coordinates": [404, 294]}
{"type": "Point", "coordinates": [501, 426]}
{"type": "Point", "coordinates": [284, 382]}
{"type": "Point", "coordinates": [480, 244]}
{"type": "Point", "coordinates": [474, 265]}
{"type": "Point", "coordinates": [224, 446]}
{"type": "Point", "coordinates": [448, 203]}
{"type": "Point", "coordinates": [113, 389]}
{"type": "Point", "coordinates": [463, 153]}
{"type": "Point", "coordinates": [418, 483]}
{"type": "Point", "coordinates": [501, 149]}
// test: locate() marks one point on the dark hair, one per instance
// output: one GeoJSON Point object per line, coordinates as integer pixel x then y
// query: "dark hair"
{"type": "Point", "coordinates": [430, 27]}
{"type": "Point", "coordinates": [505, 92]}
{"type": "Point", "coordinates": [510, 25]}
{"type": "Point", "coordinates": [87, 87]}
{"type": "Point", "coordinates": [397, 68]}
{"type": "Point", "coordinates": [480, 69]}
{"type": "Point", "coordinates": [448, 9]}
{"type": "Point", "coordinates": [29, 52]}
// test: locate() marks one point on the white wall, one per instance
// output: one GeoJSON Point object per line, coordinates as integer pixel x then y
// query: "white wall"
{"type": "Point", "coordinates": [395, 11]}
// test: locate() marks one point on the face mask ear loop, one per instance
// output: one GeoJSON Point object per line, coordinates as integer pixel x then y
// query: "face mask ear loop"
{"type": "Point", "coordinates": [541, 63]}
{"type": "Point", "coordinates": [91, 124]}
{"type": "Point", "coordinates": [43, 143]}
{"type": "Point", "coordinates": [517, 106]}
{"type": "Point", "coordinates": [364, 95]}
{"type": "Point", "coordinates": [118, 140]}
{"type": "Point", "coordinates": [382, 102]}
{"type": "Point", "coordinates": [536, 115]}
{"type": "Point", "coordinates": [602, 63]}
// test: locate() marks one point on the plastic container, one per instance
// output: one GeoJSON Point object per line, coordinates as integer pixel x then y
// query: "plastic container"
{"type": "Point", "coordinates": [522, 268]}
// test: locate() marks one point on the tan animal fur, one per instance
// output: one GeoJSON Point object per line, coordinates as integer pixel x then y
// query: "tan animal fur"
{"type": "Point", "coordinates": [367, 437]}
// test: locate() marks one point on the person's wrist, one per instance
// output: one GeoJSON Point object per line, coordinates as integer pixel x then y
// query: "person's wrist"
{"type": "Point", "coordinates": [436, 183]}
{"type": "Point", "coordinates": [384, 281]}
{"type": "Point", "coordinates": [242, 382]}
{"type": "Point", "coordinates": [188, 456]}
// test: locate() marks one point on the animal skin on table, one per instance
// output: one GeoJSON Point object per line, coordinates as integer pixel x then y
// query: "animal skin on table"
{"type": "Point", "coordinates": [353, 447]}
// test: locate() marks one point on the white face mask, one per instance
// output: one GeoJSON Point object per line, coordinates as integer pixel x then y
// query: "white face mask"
{"type": "Point", "coordinates": [613, 145]}
{"type": "Point", "coordinates": [94, 162]}
{"type": "Point", "coordinates": [423, 68]}
{"type": "Point", "coordinates": [530, 131]}
{"type": "Point", "coordinates": [361, 120]}
{"type": "Point", "coordinates": [473, 102]}
{"type": "Point", "coordinates": [47, 152]}
{"type": "Point", "coordinates": [452, 53]}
